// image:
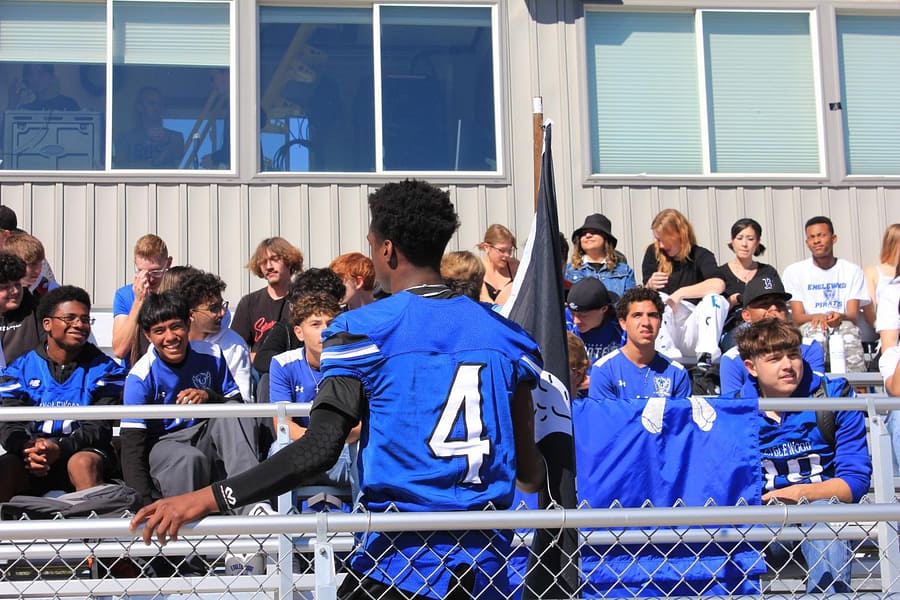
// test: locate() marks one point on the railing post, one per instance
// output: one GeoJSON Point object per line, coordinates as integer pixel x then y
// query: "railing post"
{"type": "Point", "coordinates": [326, 581]}
{"type": "Point", "coordinates": [883, 479]}
{"type": "Point", "coordinates": [285, 544]}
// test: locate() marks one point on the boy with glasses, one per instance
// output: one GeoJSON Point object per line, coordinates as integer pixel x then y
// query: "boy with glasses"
{"type": "Point", "coordinates": [151, 260]}
{"type": "Point", "coordinates": [68, 371]}
{"type": "Point", "coordinates": [203, 292]}
{"type": "Point", "coordinates": [764, 297]}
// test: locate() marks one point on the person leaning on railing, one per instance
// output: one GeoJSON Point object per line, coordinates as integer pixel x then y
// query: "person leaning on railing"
{"type": "Point", "coordinates": [798, 462]}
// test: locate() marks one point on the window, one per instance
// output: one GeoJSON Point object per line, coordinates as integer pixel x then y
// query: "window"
{"type": "Point", "coordinates": [420, 97]}
{"type": "Point", "coordinates": [869, 55]}
{"type": "Point", "coordinates": [171, 81]}
{"type": "Point", "coordinates": [52, 62]}
{"type": "Point", "coordinates": [711, 92]}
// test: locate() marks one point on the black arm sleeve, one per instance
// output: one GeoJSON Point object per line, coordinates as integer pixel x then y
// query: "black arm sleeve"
{"type": "Point", "coordinates": [649, 266]}
{"type": "Point", "coordinates": [313, 453]}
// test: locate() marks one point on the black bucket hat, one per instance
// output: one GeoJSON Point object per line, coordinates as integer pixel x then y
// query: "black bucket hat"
{"type": "Point", "coordinates": [596, 222]}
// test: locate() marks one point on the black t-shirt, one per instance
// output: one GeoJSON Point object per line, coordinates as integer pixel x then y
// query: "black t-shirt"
{"type": "Point", "coordinates": [699, 265]}
{"type": "Point", "coordinates": [733, 285]}
{"type": "Point", "coordinates": [256, 314]}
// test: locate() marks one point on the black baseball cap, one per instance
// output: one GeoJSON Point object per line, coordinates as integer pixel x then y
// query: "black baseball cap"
{"type": "Point", "coordinates": [589, 294]}
{"type": "Point", "coordinates": [8, 220]}
{"type": "Point", "coordinates": [764, 286]}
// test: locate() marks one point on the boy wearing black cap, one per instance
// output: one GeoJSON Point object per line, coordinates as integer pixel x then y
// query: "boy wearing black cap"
{"type": "Point", "coordinates": [764, 297]}
{"type": "Point", "coordinates": [591, 316]}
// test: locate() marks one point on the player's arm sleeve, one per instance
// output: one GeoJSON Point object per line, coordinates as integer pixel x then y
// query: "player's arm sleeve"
{"type": "Point", "coordinates": [316, 451]}
{"type": "Point", "coordinates": [852, 463]}
{"type": "Point", "coordinates": [732, 374]}
{"type": "Point", "coordinates": [279, 384]}
{"type": "Point", "coordinates": [600, 388]}
{"type": "Point", "coordinates": [682, 388]}
{"type": "Point", "coordinates": [276, 341]}
{"type": "Point", "coordinates": [815, 356]}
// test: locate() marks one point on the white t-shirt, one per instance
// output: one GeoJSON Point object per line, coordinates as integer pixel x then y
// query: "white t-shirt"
{"type": "Point", "coordinates": [237, 355]}
{"type": "Point", "coordinates": [887, 316]}
{"type": "Point", "coordinates": [822, 290]}
{"type": "Point", "coordinates": [888, 362]}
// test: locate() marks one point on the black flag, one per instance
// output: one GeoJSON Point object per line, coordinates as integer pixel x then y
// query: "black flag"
{"type": "Point", "coordinates": [536, 303]}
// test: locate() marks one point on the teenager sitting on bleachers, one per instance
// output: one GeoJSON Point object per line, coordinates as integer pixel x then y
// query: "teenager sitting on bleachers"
{"type": "Point", "coordinates": [59, 454]}
{"type": "Point", "coordinates": [799, 463]}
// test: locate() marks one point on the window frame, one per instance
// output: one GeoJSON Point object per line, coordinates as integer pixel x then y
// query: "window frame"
{"type": "Point", "coordinates": [707, 177]}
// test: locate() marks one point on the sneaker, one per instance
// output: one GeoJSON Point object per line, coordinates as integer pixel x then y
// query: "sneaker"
{"type": "Point", "coordinates": [704, 361]}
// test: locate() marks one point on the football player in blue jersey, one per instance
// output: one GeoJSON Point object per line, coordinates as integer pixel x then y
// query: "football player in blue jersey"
{"type": "Point", "coordinates": [637, 370]}
{"type": "Point", "coordinates": [798, 461]}
{"type": "Point", "coordinates": [67, 371]}
{"type": "Point", "coordinates": [177, 454]}
{"type": "Point", "coordinates": [442, 386]}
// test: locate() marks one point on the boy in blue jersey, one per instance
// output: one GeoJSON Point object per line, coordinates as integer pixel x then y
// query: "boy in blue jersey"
{"type": "Point", "coordinates": [68, 371]}
{"type": "Point", "coordinates": [764, 297]}
{"type": "Point", "coordinates": [637, 370]}
{"type": "Point", "coordinates": [590, 314]}
{"type": "Point", "coordinates": [173, 456]}
{"type": "Point", "coordinates": [442, 386]}
{"type": "Point", "coordinates": [798, 463]}
{"type": "Point", "coordinates": [295, 375]}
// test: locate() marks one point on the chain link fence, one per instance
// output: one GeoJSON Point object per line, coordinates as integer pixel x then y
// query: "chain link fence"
{"type": "Point", "coordinates": [676, 551]}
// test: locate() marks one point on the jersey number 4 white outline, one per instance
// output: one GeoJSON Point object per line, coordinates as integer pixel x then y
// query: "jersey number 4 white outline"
{"type": "Point", "coordinates": [465, 397]}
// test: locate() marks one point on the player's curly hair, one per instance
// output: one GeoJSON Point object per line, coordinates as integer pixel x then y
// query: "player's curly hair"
{"type": "Point", "coordinates": [417, 217]}
{"type": "Point", "coordinates": [201, 286]}
{"type": "Point", "coordinates": [315, 280]}
{"type": "Point", "coordinates": [638, 294]}
{"type": "Point", "coordinates": [61, 295]}
{"type": "Point", "coordinates": [12, 268]}
{"type": "Point", "coordinates": [316, 303]}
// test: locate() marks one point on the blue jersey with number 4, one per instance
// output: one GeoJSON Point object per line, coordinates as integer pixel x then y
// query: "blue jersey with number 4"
{"type": "Point", "coordinates": [439, 377]}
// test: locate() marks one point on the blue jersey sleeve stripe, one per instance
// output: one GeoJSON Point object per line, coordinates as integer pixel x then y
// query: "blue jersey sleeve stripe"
{"type": "Point", "coordinates": [350, 353]}
{"type": "Point", "coordinates": [10, 387]}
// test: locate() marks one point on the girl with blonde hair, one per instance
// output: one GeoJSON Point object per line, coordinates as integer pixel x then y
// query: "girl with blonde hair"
{"type": "Point", "coordinates": [500, 264]}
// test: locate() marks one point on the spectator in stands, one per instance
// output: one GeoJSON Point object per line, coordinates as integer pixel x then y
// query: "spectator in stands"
{"type": "Point", "coordinates": [882, 284]}
{"type": "Point", "coordinates": [765, 298]}
{"type": "Point", "coordinates": [19, 328]}
{"type": "Point", "coordinates": [280, 337]}
{"type": "Point", "coordinates": [594, 254]}
{"type": "Point", "coordinates": [274, 260]}
{"type": "Point", "coordinates": [39, 90]}
{"type": "Point", "coordinates": [203, 292]}
{"type": "Point", "coordinates": [463, 272]}
{"type": "Point", "coordinates": [151, 261]}
{"type": "Point", "coordinates": [295, 377]}
{"type": "Point", "coordinates": [461, 346]}
{"type": "Point", "coordinates": [9, 226]}
{"type": "Point", "coordinates": [149, 145]}
{"type": "Point", "coordinates": [590, 315]}
{"type": "Point", "coordinates": [687, 277]}
{"type": "Point", "coordinates": [180, 455]}
{"type": "Point", "coordinates": [67, 371]}
{"type": "Point", "coordinates": [578, 363]}
{"type": "Point", "coordinates": [358, 275]}
{"type": "Point", "coordinates": [31, 251]}
{"type": "Point", "coordinates": [799, 462]}
{"type": "Point", "coordinates": [827, 292]}
{"type": "Point", "coordinates": [637, 370]}
{"type": "Point", "coordinates": [500, 264]}
{"type": "Point", "coordinates": [742, 269]}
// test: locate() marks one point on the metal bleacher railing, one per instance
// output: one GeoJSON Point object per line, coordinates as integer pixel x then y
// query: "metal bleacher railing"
{"type": "Point", "coordinates": [303, 555]}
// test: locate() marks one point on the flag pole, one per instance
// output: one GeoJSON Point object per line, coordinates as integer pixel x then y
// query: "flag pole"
{"type": "Point", "coordinates": [537, 121]}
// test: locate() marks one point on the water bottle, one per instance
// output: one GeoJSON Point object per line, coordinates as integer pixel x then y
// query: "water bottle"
{"type": "Point", "coordinates": [836, 353]}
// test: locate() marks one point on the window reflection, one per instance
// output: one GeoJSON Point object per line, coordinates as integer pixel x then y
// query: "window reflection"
{"type": "Point", "coordinates": [53, 118]}
{"type": "Point", "coordinates": [316, 89]}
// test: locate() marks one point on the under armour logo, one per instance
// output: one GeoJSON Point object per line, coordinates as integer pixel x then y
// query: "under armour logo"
{"type": "Point", "coordinates": [298, 388]}
{"type": "Point", "coordinates": [228, 494]}
{"type": "Point", "coordinates": [622, 383]}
